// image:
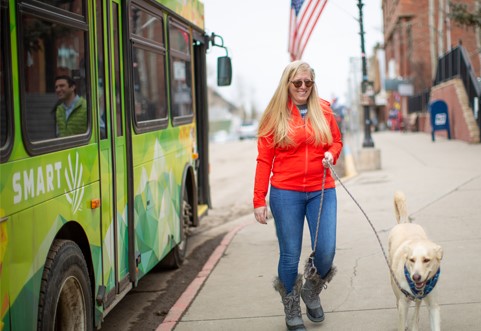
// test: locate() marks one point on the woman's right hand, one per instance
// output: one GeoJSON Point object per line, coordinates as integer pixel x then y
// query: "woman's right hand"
{"type": "Point", "coordinates": [328, 159]}
{"type": "Point", "coordinates": [260, 214]}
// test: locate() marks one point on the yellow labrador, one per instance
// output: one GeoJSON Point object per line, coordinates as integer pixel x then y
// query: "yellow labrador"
{"type": "Point", "coordinates": [415, 261]}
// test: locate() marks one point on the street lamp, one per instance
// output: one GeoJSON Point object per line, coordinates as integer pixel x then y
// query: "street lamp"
{"type": "Point", "coordinates": [367, 142]}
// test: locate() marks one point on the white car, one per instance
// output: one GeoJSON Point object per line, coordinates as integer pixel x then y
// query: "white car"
{"type": "Point", "coordinates": [248, 130]}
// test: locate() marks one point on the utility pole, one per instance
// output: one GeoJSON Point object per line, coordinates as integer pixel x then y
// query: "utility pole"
{"type": "Point", "coordinates": [367, 142]}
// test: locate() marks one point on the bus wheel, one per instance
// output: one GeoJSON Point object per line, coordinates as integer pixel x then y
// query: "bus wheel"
{"type": "Point", "coordinates": [65, 295]}
{"type": "Point", "coordinates": [176, 257]}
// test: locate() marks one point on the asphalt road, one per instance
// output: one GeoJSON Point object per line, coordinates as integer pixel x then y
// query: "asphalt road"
{"type": "Point", "coordinates": [232, 167]}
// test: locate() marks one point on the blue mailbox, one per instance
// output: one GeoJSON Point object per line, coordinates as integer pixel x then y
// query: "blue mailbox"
{"type": "Point", "coordinates": [438, 110]}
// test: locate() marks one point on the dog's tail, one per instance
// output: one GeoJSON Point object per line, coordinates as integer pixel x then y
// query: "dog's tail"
{"type": "Point", "coordinates": [400, 207]}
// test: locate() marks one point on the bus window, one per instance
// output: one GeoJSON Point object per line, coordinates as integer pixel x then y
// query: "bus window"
{"type": "Point", "coordinates": [3, 103]}
{"type": "Point", "coordinates": [181, 73]}
{"type": "Point", "coordinates": [3, 78]}
{"type": "Point", "coordinates": [6, 118]}
{"type": "Point", "coordinates": [101, 71]}
{"type": "Point", "coordinates": [150, 101]}
{"type": "Point", "coordinates": [74, 6]}
{"type": "Point", "coordinates": [118, 95]}
{"type": "Point", "coordinates": [55, 79]}
{"type": "Point", "coordinates": [149, 77]}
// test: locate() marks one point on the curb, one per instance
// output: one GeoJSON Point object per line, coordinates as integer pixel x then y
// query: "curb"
{"type": "Point", "coordinates": [181, 305]}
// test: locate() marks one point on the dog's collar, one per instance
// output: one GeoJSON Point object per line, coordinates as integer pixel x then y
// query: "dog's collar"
{"type": "Point", "coordinates": [420, 294]}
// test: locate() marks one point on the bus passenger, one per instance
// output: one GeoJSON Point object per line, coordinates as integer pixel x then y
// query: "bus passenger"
{"type": "Point", "coordinates": [71, 109]}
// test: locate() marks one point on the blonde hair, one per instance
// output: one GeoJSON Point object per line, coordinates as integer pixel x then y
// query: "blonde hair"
{"type": "Point", "coordinates": [275, 119]}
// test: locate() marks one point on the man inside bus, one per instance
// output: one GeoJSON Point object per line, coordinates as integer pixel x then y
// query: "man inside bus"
{"type": "Point", "coordinates": [71, 109]}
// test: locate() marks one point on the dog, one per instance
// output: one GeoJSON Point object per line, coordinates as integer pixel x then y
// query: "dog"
{"type": "Point", "coordinates": [415, 263]}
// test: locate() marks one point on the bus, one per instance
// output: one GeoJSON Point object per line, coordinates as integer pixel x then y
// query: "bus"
{"type": "Point", "coordinates": [103, 151]}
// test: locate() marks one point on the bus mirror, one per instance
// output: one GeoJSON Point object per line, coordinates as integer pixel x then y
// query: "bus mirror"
{"type": "Point", "coordinates": [224, 71]}
{"type": "Point", "coordinates": [224, 65]}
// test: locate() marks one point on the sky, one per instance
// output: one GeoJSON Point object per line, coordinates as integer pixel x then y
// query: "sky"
{"type": "Point", "coordinates": [256, 35]}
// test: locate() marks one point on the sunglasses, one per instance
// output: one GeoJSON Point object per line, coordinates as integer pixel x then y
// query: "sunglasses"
{"type": "Point", "coordinates": [298, 83]}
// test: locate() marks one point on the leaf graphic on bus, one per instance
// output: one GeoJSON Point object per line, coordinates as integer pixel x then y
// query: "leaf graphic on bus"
{"type": "Point", "coordinates": [73, 176]}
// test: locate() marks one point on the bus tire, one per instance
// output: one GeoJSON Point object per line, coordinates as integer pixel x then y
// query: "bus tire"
{"type": "Point", "coordinates": [175, 258]}
{"type": "Point", "coordinates": [65, 301]}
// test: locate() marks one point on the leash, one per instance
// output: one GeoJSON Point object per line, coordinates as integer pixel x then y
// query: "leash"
{"type": "Point", "coordinates": [310, 269]}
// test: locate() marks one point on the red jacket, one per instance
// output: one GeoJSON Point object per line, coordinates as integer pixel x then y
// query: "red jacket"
{"type": "Point", "coordinates": [298, 167]}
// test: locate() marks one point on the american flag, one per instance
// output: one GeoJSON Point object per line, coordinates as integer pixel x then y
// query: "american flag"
{"type": "Point", "coordinates": [304, 16]}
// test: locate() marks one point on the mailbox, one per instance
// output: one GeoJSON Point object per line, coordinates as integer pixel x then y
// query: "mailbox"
{"type": "Point", "coordinates": [438, 111]}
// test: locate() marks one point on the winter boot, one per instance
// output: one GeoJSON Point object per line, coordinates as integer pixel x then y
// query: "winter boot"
{"type": "Point", "coordinates": [292, 304]}
{"type": "Point", "coordinates": [310, 295]}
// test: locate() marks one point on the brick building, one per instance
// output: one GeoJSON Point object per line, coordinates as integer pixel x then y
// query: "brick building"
{"type": "Point", "coordinates": [416, 34]}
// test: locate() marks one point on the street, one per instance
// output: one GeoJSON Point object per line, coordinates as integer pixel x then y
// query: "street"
{"type": "Point", "coordinates": [232, 175]}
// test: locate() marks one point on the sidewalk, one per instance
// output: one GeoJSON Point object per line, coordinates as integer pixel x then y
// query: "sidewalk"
{"type": "Point", "coordinates": [442, 183]}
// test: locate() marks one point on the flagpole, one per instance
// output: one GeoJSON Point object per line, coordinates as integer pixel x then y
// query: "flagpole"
{"type": "Point", "coordinates": [367, 142]}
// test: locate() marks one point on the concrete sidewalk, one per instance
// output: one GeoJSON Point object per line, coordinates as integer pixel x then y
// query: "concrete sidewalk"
{"type": "Point", "coordinates": [442, 183]}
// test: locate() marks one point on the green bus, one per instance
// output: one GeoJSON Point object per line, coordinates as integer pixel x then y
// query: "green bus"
{"type": "Point", "coordinates": [103, 151]}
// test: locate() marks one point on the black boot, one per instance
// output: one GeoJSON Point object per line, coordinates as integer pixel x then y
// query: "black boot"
{"type": "Point", "coordinates": [310, 295]}
{"type": "Point", "coordinates": [292, 304]}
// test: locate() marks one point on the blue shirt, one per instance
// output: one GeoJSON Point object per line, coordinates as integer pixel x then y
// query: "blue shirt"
{"type": "Point", "coordinates": [302, 110]}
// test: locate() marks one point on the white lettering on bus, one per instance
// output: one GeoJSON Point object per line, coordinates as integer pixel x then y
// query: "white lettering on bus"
{"type": "Point", "coordinates": [31, 186]}
{"type": "Point", "coordinates": [49, 172]}
{"type": "Point", "coordinates": [17, 188]}
{"type": "Point", "coordinates": [58, 166]}
{"type": "Point", "coordinates": [40, 182]}
{"type": "Point", "coordinates": [28, 184]}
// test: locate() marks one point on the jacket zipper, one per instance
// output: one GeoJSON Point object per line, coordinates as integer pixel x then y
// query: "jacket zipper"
{"type": "Point", "coordinates": [306, 154]}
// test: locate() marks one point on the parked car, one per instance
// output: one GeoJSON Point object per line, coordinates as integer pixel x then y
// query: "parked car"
{"type": "Point", "coordinates": [248, 130]}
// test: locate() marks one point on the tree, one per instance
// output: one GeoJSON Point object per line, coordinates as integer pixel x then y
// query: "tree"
{"type": "Point", "coordinates": [459, 13]}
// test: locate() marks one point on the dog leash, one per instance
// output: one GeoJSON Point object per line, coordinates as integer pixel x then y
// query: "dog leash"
{"type": "Point", "coordinates": [310, 269]}
{"type": "Point", "coordinates": [418, 296]}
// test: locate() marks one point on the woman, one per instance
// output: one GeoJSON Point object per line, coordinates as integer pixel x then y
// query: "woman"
{"type": "Point", "coordinates": [298, 136]}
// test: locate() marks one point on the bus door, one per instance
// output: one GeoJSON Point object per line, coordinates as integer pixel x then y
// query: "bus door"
{"type": "Point", "coordinates": [113, 151]}
{"type": "Point", "coordinates": [202, 123]}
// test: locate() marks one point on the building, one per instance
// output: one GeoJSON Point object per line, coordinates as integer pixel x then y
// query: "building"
{"type": "Point", "coordinates": [224, 117]}
{"type": "Point", "coordinates": [416, 35]}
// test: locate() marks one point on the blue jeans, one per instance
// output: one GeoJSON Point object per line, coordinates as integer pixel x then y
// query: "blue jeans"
{"type": "Point", "coordinates": [289, 209]}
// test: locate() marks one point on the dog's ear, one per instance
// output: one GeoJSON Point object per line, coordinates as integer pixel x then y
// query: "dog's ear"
{"type": "Point", "coordinates": [407, 251]}
{"type": "Point", "coordinates": [439, 252]}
